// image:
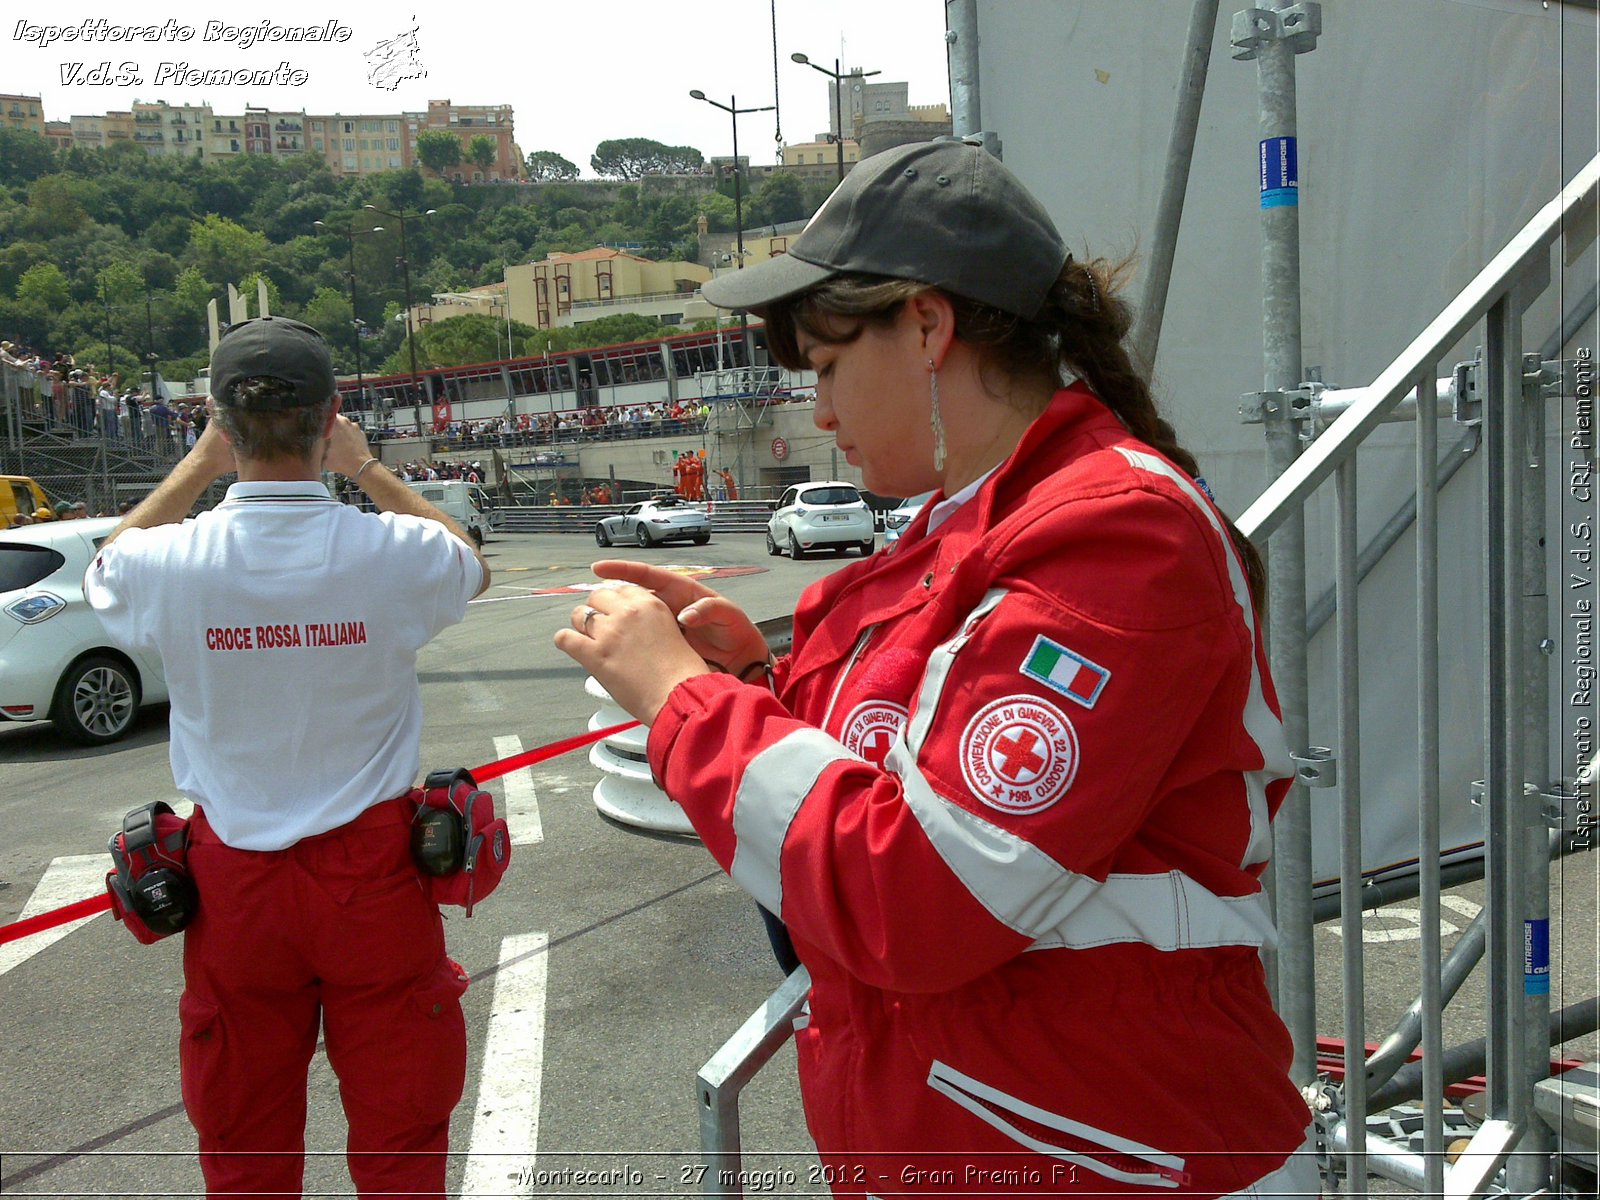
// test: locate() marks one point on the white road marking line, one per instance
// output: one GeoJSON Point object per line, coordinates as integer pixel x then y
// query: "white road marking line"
{"type": "Point", "coordinates": [65, 881]}
{"type": "Point", "coordinates": [505, 1128]}
{"type": "Point", "coordinates": [1467, 908]}
{"type": "Point", "coordinates": [522, 801]}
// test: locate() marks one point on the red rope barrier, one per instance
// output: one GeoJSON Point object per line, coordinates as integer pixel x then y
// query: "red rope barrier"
{"type": "Point", "coordinates": [49, 920]}
{"type": "Point", "coordinates": [493, 770]}
{"type": "Point", "coordinates": [527, 758]}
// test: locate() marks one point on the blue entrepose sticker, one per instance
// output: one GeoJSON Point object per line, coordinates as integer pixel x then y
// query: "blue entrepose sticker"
{"type": "Point", "coordinates": [1536, 957]}
{"type": "Point", "coordinates": [1280, 172]}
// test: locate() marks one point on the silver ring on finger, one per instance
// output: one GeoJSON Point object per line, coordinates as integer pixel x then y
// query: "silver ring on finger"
{"type": "Point", "coordinates": [589, 614]}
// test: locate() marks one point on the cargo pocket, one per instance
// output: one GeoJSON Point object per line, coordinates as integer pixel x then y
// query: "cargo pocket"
{"type": "Point", "coordinates": [1048, 1133]}
{"type": "Point", "coordinates": [205, 1092]}
{"type": "Point", "coordinates": [436, 1057]}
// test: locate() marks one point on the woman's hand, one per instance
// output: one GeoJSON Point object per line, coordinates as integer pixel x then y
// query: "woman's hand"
{"type": "Point", "coordinates": [715, 628]}
{"type": "Point", "coordinates": [629, 640]}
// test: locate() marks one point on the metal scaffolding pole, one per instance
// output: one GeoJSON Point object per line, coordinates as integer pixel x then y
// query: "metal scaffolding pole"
{"type": "Point", "coordinates": [1273, 37]}
{"type": "Point", "coordinates": [1175, 185]}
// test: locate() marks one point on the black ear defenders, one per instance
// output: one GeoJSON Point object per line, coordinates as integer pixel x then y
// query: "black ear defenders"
{"type": "Point", "coordinates": [150, 874]}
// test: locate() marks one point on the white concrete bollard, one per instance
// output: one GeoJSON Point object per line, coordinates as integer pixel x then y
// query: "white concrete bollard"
{"type": "Point", "coordinates": [626, 792]}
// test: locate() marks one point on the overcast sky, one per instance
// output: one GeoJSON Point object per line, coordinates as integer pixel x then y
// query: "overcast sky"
{"type": "Point", "coordinates": [576, 71]}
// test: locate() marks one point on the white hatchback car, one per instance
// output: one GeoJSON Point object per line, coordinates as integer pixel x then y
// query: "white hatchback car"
{"type": "Point", "coordinates": [812, 515]}
{"type": "Point", "coordinates": [900, 519]}
{"type": "Point", "coordinates": [56, 662]}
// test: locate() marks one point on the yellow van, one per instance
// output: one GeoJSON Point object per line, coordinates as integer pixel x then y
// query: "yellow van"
{"type": "Point", "coordinates": [19, 495]}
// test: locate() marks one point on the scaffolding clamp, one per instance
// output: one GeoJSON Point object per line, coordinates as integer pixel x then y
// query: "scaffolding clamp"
{"type": "Point", "coordinates": [1468, 407]}
{"type": "Point", "coordinates": [1299, 26]}
{"type": "Point", "coordinates": [1285, 404]}
{"type": "Point", "coordinates": [1316, 767]}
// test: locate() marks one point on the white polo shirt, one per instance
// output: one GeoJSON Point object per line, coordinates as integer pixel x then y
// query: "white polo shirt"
{"type": "Point", "coordinates": [288, 625]}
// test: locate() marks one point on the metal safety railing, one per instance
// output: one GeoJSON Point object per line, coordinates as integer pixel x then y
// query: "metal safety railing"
{"type": "Point", "coordinates": [1523, 812]}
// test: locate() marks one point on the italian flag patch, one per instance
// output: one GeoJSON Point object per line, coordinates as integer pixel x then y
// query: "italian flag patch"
{"type": "Point", "coordinates": [1064, 671]}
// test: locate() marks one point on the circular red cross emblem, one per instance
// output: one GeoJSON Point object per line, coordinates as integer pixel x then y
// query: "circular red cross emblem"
{"type": "Point", "coordinates": [1019, 755]}
{"type": "Point", "coordinates": [871, 728]}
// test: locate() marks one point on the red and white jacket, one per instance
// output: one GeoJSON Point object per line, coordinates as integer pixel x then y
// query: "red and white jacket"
{"type": "Point", "coordinates": [1012, 799]}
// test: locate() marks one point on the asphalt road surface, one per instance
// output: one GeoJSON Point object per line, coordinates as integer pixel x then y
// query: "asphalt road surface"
{"type": "Point", "coordinates": [610, 965]}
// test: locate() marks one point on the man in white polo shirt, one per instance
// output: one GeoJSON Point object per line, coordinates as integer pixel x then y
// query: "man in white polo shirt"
{"type": "Point", "coordinates": [289, 626]}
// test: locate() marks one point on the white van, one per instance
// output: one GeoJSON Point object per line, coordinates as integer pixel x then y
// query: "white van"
{"type": "Point", "coordinates": [467, 504]}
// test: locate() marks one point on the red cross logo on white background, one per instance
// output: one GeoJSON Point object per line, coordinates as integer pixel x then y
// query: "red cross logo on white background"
{"type": "Point", "coordinates": [871, 728]}
{"type": "Point", "coordinates": [1019, 755]}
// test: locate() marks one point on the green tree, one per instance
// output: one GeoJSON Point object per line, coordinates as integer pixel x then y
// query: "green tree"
{"type": "Point", "coordinates": [438, 150]}
{"type": "Point", "coordinates": [622, 327]}
{"type": "Point", "coordinates": [546, 165]}
{"type": "Point", "coordinates": [483, 150]}
{"type": "Point", "coordinates": [631, 158]}
{"type": "Point", "coordinates": [224, 250]}
{"type": "Point", "coordinates": [719, 212]}
{"type": "Point", "coordinates": [24, 156]}
{"type": "Point", "coordinates": [780, 199]}
{"type": "Point", "coordinates": [120, 282]}
{"type": "Point", "coordinates": [328, 312]}
{"type": "Point", "coordinates": [43, 288]}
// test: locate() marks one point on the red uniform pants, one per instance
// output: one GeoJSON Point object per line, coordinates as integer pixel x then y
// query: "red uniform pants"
{"type": "Point", "coordinates": [335, 930]}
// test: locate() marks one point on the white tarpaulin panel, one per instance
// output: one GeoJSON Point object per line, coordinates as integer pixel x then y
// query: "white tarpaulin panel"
{"type": "Point", "coordinates": [1429, 133]}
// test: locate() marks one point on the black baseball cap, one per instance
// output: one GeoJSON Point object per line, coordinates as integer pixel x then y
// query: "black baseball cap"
{"type": "Point", "coordinates": [273, 348]}
{"type": "Point", "coordinates": [946, 213]}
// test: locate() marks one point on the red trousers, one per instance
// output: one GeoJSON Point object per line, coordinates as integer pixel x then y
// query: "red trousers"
{"type": "Point", "coordinates": [337, 931]}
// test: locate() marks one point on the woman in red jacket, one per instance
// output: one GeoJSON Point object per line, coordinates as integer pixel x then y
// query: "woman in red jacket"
{"type": "Point", "coordinates": [1011, 790]}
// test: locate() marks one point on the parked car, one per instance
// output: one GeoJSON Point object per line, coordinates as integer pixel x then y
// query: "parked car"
{"type": "Point", "coordinates": [900, 518]}
{"type": "Point", "coordinates": [810, 516]}
{"type": "Point", "coordinates": [56, 661]}
{"type": "Point", "coordinates": [650, 522]}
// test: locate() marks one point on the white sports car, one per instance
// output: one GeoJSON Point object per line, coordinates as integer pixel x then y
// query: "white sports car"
{"type": "Point", "coordinates": [651, 522]}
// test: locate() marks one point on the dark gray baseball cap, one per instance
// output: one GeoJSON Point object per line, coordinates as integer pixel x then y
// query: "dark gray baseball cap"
{"type": "Point", "coordinates": [275, 348]}
{"type": "Point", "coordinates": [946, 213]}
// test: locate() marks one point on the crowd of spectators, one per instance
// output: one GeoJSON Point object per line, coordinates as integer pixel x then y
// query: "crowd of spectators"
{"type": "Point", "coordinates": [591, 424]}
{"type": "Point", "coordinates": [75, 400]}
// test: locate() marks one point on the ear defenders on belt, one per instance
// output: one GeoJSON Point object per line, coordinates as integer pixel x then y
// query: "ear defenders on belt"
{"type": "Point", "coordinates": [456, 838]}
{"type": "Point", "coordinates": [151, 890]}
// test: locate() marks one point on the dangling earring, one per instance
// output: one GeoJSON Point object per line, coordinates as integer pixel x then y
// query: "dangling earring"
{"type": "Point", "coordinates": [938, 421]}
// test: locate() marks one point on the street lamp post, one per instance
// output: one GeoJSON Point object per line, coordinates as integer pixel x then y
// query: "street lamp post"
{"type": "Point", "coordinates": [734, 111]}
{"type": "Point", "coordinates": [838, 103]}
{"type": "Point", "coordinates": [405, 265]}
{"type": "Point", "coordinates": [355, 320]}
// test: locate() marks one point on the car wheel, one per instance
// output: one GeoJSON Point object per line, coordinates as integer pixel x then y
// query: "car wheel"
{"type": "Point", "coordinates": [643, 537]}
{"type": "Point", "coordinates": [868, 546]}
{"type": "Point", "coordinates": [601, 537]}
{"type": "Point", "coordinates": [700, 539]}
{"type": "Point", "coordinates": [772, 546]}
{"type": "Point", "coordinates": [794, 548]}
{"type": "Point", "coordinates": [477, 537]}
{"type": "Point", "coordinates": [96, 701]}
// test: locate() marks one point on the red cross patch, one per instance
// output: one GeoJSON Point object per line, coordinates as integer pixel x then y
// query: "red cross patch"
{"type": "Point", "coordinates": [1019, 755]}
{"type": "Point", "coordinates": [871, 728]}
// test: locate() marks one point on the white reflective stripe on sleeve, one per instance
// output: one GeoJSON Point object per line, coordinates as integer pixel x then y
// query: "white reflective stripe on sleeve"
{"type": "Point", "coordinates": [940, 659]}
{"type": "Point", "coordinates": [774, 785]}
{"type": "Point", "coordinates": [1169, 912]}
{"type": "Point", "coordinates": [1025, 889]}
{"type": "Point", "coordinates": [1264, 728]}
{"type": "Point", "coordinates": [982, 1100]}
{"type": "Point", "coordinates": [1297, 1179]}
